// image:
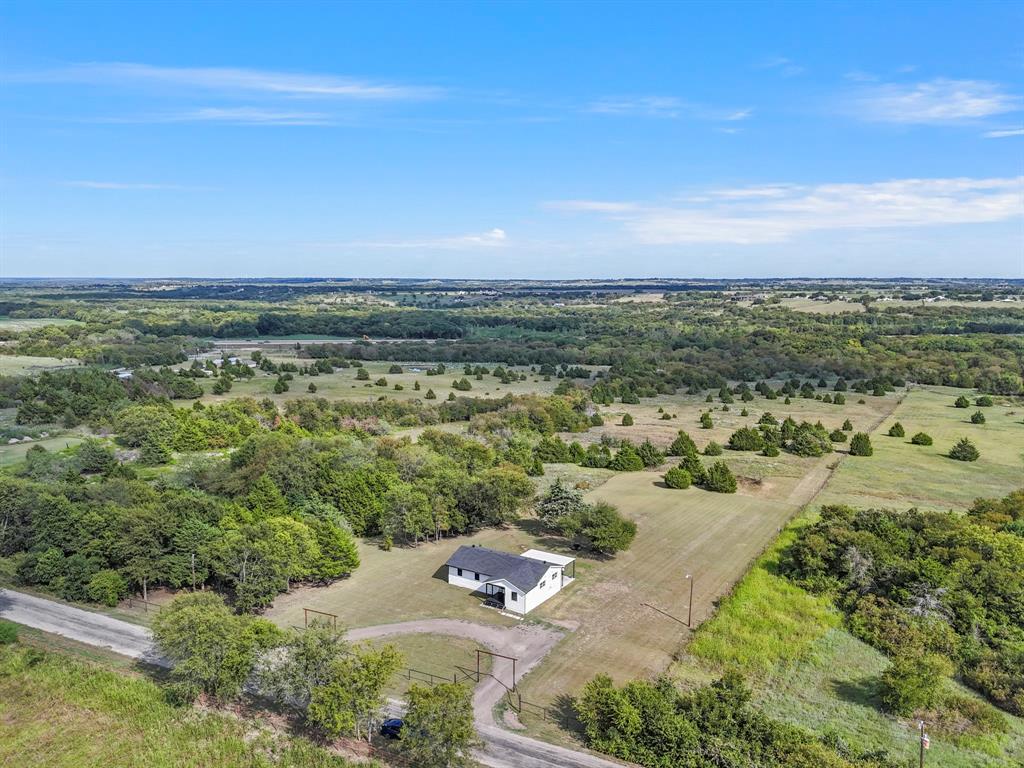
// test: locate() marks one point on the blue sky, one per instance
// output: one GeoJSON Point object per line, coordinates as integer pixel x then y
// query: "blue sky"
{"type": "Point", "coordinates": [511, 140]}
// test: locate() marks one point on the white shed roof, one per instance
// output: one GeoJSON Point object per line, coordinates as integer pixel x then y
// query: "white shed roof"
{"type": "Point", "coordinates": [547, 557]}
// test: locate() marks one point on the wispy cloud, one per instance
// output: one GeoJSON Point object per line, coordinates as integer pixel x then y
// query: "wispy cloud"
{"type": "Point", "coordinates": [665, 107]}
{"type": "Point", "coordinates": [784, 66]}
{"type": "Point", "coordinates": [935, 101]}
{"type": "Point", "coordinates": [230, 115]}
{"type": "Point", "coordinates": [1003, 133]}
{"type": "Point", "coordinates": [493, 238]}
{"type": "Point", "coordinates": [117, 185]}
{"type": "Point", "coordinates": [231, 80]}
{"type": "Point", "coordinates": [777, 213]}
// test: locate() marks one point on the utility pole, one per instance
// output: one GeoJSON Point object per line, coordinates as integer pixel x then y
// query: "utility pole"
{"type": "Point", "coordinates": [689, 610]}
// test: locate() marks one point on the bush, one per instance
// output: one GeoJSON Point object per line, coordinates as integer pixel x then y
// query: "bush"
{"type": "Point", "coordinates": [896, 430]}
{"type": "Point", "coordinates": [107, 587]}
{"type": "Point", "coordinates": [8, 632]}
{"type": "Point", "coordinates": [912, 682]}
{"type": "Point", "coordinates": [921, 438]}
{"type": "Point", "coordinates": [679, 478]}
{"type": "Point", "coordinates": [683, 445]}
{"type": "Point", "coordinates": [964, 450]}
{"type": "Point", "coordinates": [977, 417]}
{"type": "Point", "coordinates": [962, 402]}
{"type": "Point", "coordinates": [626, 460]}
{"type": "Point", "coordinates": [837, 436]}
{"type": "Point", "coordinates": [984, 402]}
{"type": "Point", "coordinates": [712, 449]}
{"type": "Point", "coordinates": [746, 439]}
{"type": "Point", "coordinates": [706, 422]}
{"type": "Point", "coordinates": [860, 445]}
{"type": "Point", "coordinates": [771, 450]}
{"type": "Point", "coordinates": [847, 426]}
{"type": "Point", "coordinates": [720, 478]}
{"type": "Point", "coordinates": [627, 420]}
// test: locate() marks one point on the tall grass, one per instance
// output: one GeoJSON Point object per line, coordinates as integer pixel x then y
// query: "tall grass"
{"type": "Point", "coordinates": [766, 620]}
{"type": "Point", "coordinates": [59, 712]}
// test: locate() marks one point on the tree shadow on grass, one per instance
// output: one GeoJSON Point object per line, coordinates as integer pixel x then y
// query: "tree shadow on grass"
{"type": "Point", "coordinates": [544, 537]}
{"type": "Point", "coordinates": [866, 691]}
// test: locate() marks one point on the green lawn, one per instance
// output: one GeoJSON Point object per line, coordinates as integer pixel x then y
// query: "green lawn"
{"type": "Point", "coordinates": [18, 324]}
{"type": "Point", "coordinates": [12, 454]}
{"type": "Point", "coordinates": [903, 475]}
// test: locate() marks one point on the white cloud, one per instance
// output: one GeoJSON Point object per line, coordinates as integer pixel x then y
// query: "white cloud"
{"type": "Point", "coordinates": [935, 101]}
{"type": "Point", "coordinates": [665, 107]}
{"type": "Point", "coordinates": [777, 213]}
{"type": "Point", "coordinates": [229, 79]}
{"type": "Point", "coordinates": [1003, 133]}
{"type": "Point", "coordinates": [244, 116]}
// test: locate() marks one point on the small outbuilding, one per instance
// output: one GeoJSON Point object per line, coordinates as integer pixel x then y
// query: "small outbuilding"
{"type": "Point", "coordinates": [518, 583]}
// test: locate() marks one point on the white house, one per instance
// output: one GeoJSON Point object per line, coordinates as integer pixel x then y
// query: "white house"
{"type": "Point", "coordinates": [518, 582]}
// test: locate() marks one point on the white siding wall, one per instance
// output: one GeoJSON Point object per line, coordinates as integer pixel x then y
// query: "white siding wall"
{"type": "Point", "coordinates": [467, 580]}
{"type": "Point", "coordinates": [552, 584]}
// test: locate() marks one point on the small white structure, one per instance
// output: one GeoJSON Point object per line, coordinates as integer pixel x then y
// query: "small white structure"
{"type": "Point", "coordinates": [519, 583]}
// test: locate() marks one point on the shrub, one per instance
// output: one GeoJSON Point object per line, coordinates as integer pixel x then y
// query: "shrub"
{"type": "Point", "coordinates": [683, 445]}
{"type": "Point", "coordinates": [896, 430]}
{"type": "Point", "coordinates": [837, 436]}
{"type": "Point", "coordinates": [430, 395]}
{"type": "Point", "coordinates": [107, 587]}
{"type": "Point", "coordinates": [770, 449]}
{"type": "Point", "coordinates": [913, 682]}
{"type": "Point", "coordinates": [977, 417]}
{"type": "Point", "coordinates": [677, 477]}
{"type": "Point", "coordinates": [627, 420]}
{"type": "Point", "coordinates": [362, 375]}
{"type": "Point", "coordinates": [695, 467]}
{"type": "Point", "coordinates": [720, 478]}
{"type": "Point", "coordinates": [706, 421]}
{"type": "Point", "coordinates": [984, 402]}
{"type": "Point", "coordinates": [847, 426]}
{"type": "Point", "coordinates": [860, 445]}
{"type": "Point", "coordinates": [964, 450]}
{"type": "Point", "coordinates": [395, 369]}
{"type": "Point", "coordinates": [712, 449]}
{"type": "Point", "coordinates": [626, 460]}
{"type": "Point", "coordinates": [962, 402]}
{"type": "Point", "coordinates": [746, 439]}
{"type": "Point", "coordinates": [921, 438]}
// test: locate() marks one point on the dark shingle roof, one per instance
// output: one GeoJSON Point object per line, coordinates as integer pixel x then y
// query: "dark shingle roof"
{"type": "Point", "coordinates": [519, 571]}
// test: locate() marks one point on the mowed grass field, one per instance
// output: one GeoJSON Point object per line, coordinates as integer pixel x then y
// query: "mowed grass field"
{"type": "Point", "coordinates": [26, 365]}
{"type": "Point", "coordinates": [619, 605]}
{"type": "Point", "coordinates": [903, 475]}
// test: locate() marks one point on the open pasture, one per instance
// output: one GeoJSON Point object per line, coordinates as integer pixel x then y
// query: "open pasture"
{"type": "Point", "coordinates": [343, 384]}
{"type": "Point", "coordinates": [903, 475]}
{"type": "Point", "coordinates": [26, 365]}
{"type": "Point", "coordinates": [19, 324]}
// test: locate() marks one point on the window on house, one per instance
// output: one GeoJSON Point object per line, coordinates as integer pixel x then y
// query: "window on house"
{"type": "Point", "coordinates": [515, 597]}
{"type": "Point", "coordinates": [477, 575]}
{"type": "Point", "coordinates": [542, 584]}
{"type": "Point", "coordinates": [459, 570]}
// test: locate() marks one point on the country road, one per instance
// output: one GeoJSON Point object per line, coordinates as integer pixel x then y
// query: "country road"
{"type": "Point", "coordinates": [502, 749]}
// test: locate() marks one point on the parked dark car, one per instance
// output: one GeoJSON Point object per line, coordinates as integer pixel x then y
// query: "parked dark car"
{"type": "Point", "coordinates": [392, 728]}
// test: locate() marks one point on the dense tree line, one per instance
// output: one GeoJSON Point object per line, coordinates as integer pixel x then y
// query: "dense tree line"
{"type": "Point", "coordinates": [919, 583]}
{"type": "Point", "coordinates": [656, 725]}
